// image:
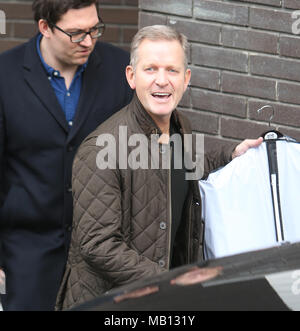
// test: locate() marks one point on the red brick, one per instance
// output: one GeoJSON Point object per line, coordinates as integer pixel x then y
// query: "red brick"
{"type": "Point", "coordinates": [289, 46]}
{"type": "Point", "coordinates": [219, 103]}
{"type": "Point", "coordinates": [205, 78]}
{"type": "Point", "coordinates": [289, 92]}
{"type": "Point", "coordinates": [178, 7]}
{"type": "Point", "coordinates": [283, 114]}
{"type": "Point", "coordinates": [275, 3]}
{"type": "Point", "coordinates": [120, 16]}
{"type": "Point", "coordinates": [112, 34]}
{"type": "Point", "coordinates": [218, 57]}
{"type": "Point", "coordinates": [248, 85]}
{"type": "Point", "coordinates": [268, 19]}
{"type": "Point", "coordinates": [271, 66]}
{"type": "Point", "coordinates": [292, 4]}
{"type": "Point", "coordinates": [128, 34]}
{"type": "Point", "coordinates": [197, 31]}
{"type": "Point", "coordinates": [25, 30]}
{"type": "Point", "coordinates": [217, 11]}
{"type": "Point", "coordinates": [17, 10]}
{"type": "Point", "coordinates": [148, 19]}
{"type": "Point", "coordinates": [239, 129]}
{"type": "Point", "coordinates": [249, 39]}
{"type": "Point", "coordinates": [203, 122]}
{"type": "Point", "coordinates": [8, 44]}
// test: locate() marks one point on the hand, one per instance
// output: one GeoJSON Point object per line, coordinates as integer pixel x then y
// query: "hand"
{"type": "Point", "coordinates": [243, 147]}
{"type": "Point", "coordinates": [2, 277]}
{"type": "Point", "coordinates": [2, 282]}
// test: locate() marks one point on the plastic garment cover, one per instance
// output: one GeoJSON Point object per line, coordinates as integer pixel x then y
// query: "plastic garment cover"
{"type": "Point", "coordinates": [237, 202]}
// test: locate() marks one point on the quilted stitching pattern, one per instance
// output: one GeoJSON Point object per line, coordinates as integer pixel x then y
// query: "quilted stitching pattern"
{"type": "Point", "coordinates": [116, 236]}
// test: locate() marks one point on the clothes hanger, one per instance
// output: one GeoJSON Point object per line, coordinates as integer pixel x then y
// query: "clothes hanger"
{"type": "Point", "coordinates": [273, 134]}
{"type": "Point", "coordinates": [270, 138]}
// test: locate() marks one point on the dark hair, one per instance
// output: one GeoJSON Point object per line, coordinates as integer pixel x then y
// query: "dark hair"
{"type": "Point", "coordinates": [53, 10]}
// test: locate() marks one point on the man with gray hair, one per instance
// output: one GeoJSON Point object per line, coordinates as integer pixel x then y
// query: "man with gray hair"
{"type": "Point", "coordinates": [136, 219]}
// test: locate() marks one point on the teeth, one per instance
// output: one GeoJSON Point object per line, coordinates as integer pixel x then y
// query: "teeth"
{"type": "Point", "coordinates": [161, 94]}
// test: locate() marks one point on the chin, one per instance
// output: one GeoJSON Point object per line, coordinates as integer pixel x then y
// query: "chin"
{"type": "Point", "coordinates": [81, 61]}
{"type": "Point", "coordinates": [163, 111]}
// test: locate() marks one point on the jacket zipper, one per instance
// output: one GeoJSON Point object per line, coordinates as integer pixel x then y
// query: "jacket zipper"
{"type": "Point", "coordinates": [170, 210]}
{"type": "Point", "coordinates": [189, 233]}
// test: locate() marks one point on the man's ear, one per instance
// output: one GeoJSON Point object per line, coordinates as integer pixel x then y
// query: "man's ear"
{"type": "Point", "coordinates": [130, 75]}
{"type": "Point", "coordinates": [187, 78]}
{"type": "Point", "coordinates": [44, 28]}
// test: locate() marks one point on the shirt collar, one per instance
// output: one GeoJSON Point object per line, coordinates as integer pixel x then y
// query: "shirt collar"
{"type": "Point", "coordinates": [50, 71]}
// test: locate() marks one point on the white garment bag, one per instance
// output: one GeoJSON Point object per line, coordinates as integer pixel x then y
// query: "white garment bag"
{"type": "Point", "coordinates": [238, 208]}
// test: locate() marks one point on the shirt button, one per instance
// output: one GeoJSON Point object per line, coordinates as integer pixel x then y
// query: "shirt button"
{"type": "Point", "coordinates": [49, 78]}
{"type": "Point", "coordinates": [163, 225]}
{"type": "Point", "coordinates": [55, 73]}
{"type": "Point", "coordinates": [68, 94]}
{"type": "Point", "coordinates": [70, 123]}
{"type": "Point", "coordinates": [162, 263]}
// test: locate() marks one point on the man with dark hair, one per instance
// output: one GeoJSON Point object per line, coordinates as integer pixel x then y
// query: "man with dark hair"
{"type": "Point", "coordinates": [54, 91]}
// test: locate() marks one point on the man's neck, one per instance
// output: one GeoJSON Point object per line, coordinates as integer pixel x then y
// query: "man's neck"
{"type": "Point", "coordinates": [68, 72]}
{"type": "Point", "coordinates": [164, 126]}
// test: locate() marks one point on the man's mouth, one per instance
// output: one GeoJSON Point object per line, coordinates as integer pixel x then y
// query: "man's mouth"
{"type": "Point", "coordinates": [161, 95]}
{"type": "Point", "coordinates": [84, 51]}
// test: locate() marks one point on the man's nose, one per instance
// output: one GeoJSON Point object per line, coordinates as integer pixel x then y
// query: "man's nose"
{"type": "Point", "coordinates": [161, 78]}
{"type": "Point", "coordinates": [87, 41]}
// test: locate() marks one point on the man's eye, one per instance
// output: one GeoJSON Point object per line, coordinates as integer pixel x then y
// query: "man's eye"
{"type": "Point", "coordinates": [76, 33]}
{"type": "Point", "coordinates": [95, 28]}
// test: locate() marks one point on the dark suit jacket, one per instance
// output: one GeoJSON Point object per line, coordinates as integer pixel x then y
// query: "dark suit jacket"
{"type": "Point", "coordinates": [36, 154]}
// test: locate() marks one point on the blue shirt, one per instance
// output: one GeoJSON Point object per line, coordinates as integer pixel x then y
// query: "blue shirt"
{"type": "Point", "coordinates": [68, 98]}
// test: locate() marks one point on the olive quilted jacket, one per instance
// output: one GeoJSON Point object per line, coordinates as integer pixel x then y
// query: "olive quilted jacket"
{"type": "Point", "coordinates": [122, 221]}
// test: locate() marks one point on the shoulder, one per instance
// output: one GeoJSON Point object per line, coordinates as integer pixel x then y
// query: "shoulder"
{"type": "Point", "coordinates": [112, 124]}
{"type": "Point", "coordinates": [108, 131]}
{"type": "Point", "coordinates": [13, 55]}
{"type": "Point", "coordinates": [183, 120]}
{"type": "Point", "coordinates": [12, 59]}
{"type": "Point", "coordinates": [110, 127]}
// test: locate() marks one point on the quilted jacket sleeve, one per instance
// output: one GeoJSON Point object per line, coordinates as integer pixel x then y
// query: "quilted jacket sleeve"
{"type": "Point", "coordinates": [98, 223]}
{"type": "Point", "coordinates": [217, 157]}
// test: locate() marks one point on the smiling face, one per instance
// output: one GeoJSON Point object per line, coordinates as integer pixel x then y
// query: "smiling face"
{"type": "Point", "coordinates": [160, 77]}
{"type": "Point", "coordinates": [60, 51]}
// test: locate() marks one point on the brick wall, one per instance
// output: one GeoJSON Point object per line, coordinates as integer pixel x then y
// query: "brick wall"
{"type": "Point", "coordinates": [243, 56]}
{"type": "Point", "coordinates": [120, 16]}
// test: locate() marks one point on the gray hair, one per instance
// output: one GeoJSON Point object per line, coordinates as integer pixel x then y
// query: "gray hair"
{"type": "Point", "coordinates": [154, 33]}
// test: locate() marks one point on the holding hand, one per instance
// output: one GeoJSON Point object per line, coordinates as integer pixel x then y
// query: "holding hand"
{"type": "Point", "coordinates": [243, 147]}
{"type": "Point", "coordinates": [2, 282]}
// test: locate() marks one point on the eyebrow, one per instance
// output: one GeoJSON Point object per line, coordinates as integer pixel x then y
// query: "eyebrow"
{"type": "Point", "coordinates": [79, 30]}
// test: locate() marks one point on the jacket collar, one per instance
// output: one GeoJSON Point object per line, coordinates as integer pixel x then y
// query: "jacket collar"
{"type": "Point", "coordinates": [36, 77]}
{"type": "Point", "coordinates": [148, 125]}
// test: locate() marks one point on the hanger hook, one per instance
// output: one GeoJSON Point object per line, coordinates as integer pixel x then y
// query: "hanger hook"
{"type": "Point", "coordinates": [272, 115]}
